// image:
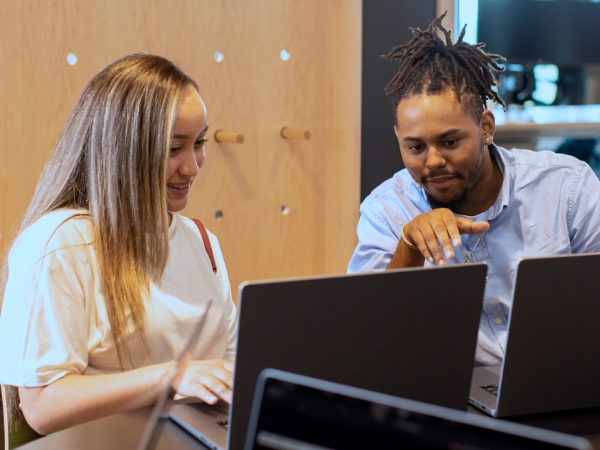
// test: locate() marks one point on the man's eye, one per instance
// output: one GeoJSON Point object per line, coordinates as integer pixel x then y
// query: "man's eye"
{"type": "Point", "coordinates": [415, 148]}
{"type": "Point", "coordinates": [451, 142]}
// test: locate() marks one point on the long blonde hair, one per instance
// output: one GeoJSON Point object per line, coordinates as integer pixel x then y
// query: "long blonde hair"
{"type": "Point", "coordinates": [110, 160]}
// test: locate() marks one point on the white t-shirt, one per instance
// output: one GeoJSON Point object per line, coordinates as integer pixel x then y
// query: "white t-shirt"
{"type": "Point", "coordinates": [54, 319]}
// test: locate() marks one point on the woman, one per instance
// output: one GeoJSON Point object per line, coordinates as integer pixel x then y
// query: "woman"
{"type": "Point", "coordinates": [105, 281]}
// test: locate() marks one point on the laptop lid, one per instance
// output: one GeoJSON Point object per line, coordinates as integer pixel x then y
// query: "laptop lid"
{"type": "Point", "coordinates": [293, 411]}
{"type": "Point", "coordinates": [160, 413]}
{"type": "Point", "coordinates": [409, 333]}
{"type": "Point", "coordinates": [553, 349]}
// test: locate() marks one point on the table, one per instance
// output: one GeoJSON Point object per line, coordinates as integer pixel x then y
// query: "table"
{"type": "Point", "coordinates": [123, 431]}
{"type": "Point", "coordinates": [527, 128]}
{"type": "Point", "coordinates": [120, 431]}
{"type": "Point", "coordinates": [585, 422]}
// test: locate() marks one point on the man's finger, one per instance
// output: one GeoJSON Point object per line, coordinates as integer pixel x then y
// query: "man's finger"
{"type": "Point", "coordinates": [468, 226]}
{"type": "Point", "coordinates": [431, 242]}
{"type": "Point", "coordinates": [443, 237]}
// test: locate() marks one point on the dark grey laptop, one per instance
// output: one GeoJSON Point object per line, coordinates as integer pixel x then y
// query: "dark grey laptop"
{"type": "Point", "coordinates": [409, 333]}
{"type": "Point", "coordinates": [552, 357]}
{"type": "Point", "coordinates": [296, 412]}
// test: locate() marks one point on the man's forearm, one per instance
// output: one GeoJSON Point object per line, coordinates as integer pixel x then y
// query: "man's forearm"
{"type": "Point", "coordinates": [404, 256]}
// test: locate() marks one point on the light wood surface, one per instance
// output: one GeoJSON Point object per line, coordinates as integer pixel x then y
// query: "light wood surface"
{"type": "Point", "coordinates": [288, 207]}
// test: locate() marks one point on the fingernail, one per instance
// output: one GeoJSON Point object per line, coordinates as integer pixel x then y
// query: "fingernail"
{"type": "Point", "coordinates": [441, 262]}
{"type": "Point", "coordinates": [449, 253]}
{"type": "Point", "coordinates": [211, 398]}
{"type": "Point", "coordinates": [456, 242]}
{"type": "Point", "coordinates": [430, 259]}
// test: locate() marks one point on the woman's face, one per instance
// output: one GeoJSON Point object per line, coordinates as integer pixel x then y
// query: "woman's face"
{"type": "Point", "coordinates": [186, 154]}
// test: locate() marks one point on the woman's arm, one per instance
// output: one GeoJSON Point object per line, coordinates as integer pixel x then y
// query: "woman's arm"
{"type": "Point", "coordinates": [75, 399]}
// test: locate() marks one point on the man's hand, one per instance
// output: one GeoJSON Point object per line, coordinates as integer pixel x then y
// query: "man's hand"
{"type": "Point", "coordinates": [207, 380]}
{"type": "Point", "coordinates": [437, 232]}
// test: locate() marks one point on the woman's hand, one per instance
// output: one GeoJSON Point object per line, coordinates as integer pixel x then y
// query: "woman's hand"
{"type": "Point", "coordinates": [207, 379]}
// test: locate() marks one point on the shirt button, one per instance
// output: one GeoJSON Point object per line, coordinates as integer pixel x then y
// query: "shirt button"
{"type": "Point", "coordinates": [498, 320]}
{"type": "Point", "coordinates": [486, 278]}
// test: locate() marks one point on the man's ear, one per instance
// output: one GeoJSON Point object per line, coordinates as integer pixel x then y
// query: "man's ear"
{"type": "Point", "coordinates": [396, 132]}
{"type": "Point", "coordinates": [488, 124]}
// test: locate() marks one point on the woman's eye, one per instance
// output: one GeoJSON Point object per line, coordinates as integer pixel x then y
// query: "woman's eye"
{"type": "Point", "coordinates": [175, 149]}
{"type": "Point", "coordinates": [200, 142]}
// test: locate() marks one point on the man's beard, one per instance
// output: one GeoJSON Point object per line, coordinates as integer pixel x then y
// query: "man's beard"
{"type": "Point", "coordinates": [455, 204]}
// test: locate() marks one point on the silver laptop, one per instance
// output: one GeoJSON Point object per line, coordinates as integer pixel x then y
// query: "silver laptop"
{"type": "Point", "coordinates": [295, 412]}
{"type": "Point", "coordinates": [552, 357]}
{"type": "Point", "coordinates": [409, 333]}
{"type": "Point", "coordinates": [160, 412]}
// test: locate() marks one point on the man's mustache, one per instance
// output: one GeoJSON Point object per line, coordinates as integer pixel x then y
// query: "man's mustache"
{"type": "Point", "coordinates": [440, 173]}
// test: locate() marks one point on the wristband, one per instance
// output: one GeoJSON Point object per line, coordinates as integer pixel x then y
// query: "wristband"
{"type": "Point", "coordinates": [406, 241]}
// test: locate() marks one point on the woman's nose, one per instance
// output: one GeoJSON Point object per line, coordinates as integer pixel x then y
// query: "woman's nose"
{"type": "Point", "coordinates": [192, 163]}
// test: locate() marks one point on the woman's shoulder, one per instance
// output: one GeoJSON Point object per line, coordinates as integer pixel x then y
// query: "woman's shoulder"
{"type": "Point", "coordinates": [56, 229]}
{"type": "Point", "coordinates": [190, 224]}
{"type": "Point", "coordinates": [192, 228]}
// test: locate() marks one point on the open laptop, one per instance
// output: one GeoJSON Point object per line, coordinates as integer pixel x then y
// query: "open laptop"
{"type": "Point", "coordinates": [293, 411]}
{"type": "Point", "coordinates": [409, 333]}
{"type": "Point", "coordinates": [160, 412]}
{"type": "Point", "coordinates": [552, 357]}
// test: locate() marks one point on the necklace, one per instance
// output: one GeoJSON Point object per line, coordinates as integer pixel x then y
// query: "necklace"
{"type": "Point", "coordinates": [469, 255]}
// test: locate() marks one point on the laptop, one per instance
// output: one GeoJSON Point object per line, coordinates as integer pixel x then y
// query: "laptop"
{"type": "Point", "coordinates": [160, 413]}
{"type": "Point", "coordinates": [409, 333]}
{"type": "Point", "coordinates": [295, 412]}
{"type": "Point", "coordinates": [552, 357]}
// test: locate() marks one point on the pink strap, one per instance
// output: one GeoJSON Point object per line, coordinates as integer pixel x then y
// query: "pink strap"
{"type": "Point", "coordinates": [207, 245]}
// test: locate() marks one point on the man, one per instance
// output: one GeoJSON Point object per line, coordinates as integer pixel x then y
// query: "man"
{"type": "Point", "coordinates": [461, 198]}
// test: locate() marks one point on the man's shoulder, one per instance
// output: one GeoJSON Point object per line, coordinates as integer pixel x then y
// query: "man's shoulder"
{"type": "Point", "coordinates": [396, 199]}
{"type": "Point", "coordinates": [400, 186]}
{"type": "Point", "coordinates": [541, 160]}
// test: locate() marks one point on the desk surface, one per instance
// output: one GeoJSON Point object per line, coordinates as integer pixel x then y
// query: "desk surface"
{"type": "Point", "coordinates": [584, 422]}
{"type": "Point", "coordinates": [578, 122]}
{"type": "Point", "coordinates": [123, 431]}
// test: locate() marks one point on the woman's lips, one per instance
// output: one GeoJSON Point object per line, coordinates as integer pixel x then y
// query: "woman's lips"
{"type": "Point", "coordinates": [180, 190]}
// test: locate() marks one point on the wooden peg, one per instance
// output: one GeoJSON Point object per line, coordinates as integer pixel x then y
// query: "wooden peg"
{"type": "Point", "coordinates": [229, 136]}
{"type": "Point", "coordinates": [294, 133]}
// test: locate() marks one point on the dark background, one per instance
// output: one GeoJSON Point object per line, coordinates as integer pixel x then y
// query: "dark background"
{"type": "Point", "coordinates": [562, 32]}
{"type": "Point", "coordinates": [385, 25]}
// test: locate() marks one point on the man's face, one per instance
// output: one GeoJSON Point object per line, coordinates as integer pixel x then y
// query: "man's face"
{"type": "Point", "coordinates": [442, 147]}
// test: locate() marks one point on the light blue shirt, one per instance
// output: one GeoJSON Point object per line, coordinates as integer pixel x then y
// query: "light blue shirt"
{"type": "Point", "coordinates": [548, 205]}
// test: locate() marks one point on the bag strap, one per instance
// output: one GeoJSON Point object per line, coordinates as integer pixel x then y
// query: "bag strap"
{"type": "Point", "coordinates": [207, 245]}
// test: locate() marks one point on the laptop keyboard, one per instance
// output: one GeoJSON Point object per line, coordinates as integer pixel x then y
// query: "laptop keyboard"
{"type": "Point", "coordinates": [491, 388]}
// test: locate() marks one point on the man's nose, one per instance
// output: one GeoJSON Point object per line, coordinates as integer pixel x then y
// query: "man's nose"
{"type": "Point", "coordinates": [435, 159]}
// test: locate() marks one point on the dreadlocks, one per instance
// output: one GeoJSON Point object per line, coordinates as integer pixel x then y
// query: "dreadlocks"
{"type": "Point", "coordinates": [431, 66]}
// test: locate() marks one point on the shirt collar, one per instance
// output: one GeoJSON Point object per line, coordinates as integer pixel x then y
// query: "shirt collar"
{"type": "Point", "coordinates": [504, 194]}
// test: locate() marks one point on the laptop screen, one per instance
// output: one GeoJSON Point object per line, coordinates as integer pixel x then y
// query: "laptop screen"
{"type": "Point", "coordinates": [293, 412]}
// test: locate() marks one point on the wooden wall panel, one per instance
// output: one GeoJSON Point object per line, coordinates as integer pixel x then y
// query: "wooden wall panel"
{"type": "Point", "coordinates": [252, 91]}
